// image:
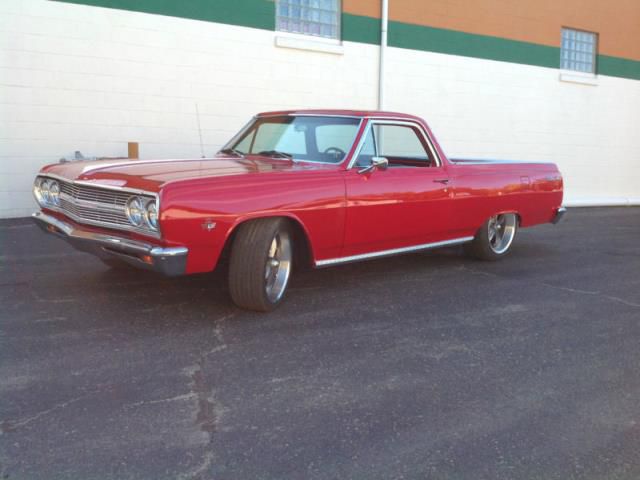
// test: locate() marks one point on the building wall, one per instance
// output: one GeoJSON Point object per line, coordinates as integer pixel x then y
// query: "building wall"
{"type": "Point", "coordinates": [504, 110]}
{"type": "Point", "coordinates": [77, 76]}
{"type": "Point", "coordinates": [536, 22]}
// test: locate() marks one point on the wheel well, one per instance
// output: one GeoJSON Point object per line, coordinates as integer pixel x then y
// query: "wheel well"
{"type": "Point", "coordinates": [516, 213]}
{"type": "Point", "coordinates": [302, 245]}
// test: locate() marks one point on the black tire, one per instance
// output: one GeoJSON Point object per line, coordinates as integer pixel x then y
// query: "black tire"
{"type": "Point", "coordinates": [250, 276]}
{"type": "Point", "coordinates": [485, 247]}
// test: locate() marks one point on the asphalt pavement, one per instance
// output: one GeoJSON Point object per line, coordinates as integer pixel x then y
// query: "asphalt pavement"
{"type": "Point", "coordinates": [425, 366]}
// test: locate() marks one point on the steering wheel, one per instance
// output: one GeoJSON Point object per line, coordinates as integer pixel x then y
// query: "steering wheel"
{"type": "Point", "coordinates": [337, 152]}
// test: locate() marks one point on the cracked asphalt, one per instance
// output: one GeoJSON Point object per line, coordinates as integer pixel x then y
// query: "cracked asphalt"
{"type": "Point", "coordinates": [429, 366]}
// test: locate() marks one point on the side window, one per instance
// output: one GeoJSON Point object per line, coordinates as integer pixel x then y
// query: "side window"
{"type": "Point", "coordinates": [401, 145]}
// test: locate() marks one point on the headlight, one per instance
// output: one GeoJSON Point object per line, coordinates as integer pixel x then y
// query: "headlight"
{"type": "Point", "coordinates": [44, 190]}
{"type": "Point", "coordinates": [135, 211]}
{"type": "Point", "coordinates": [47, 192]}
{"type": "Point", "coordinates": [54, 192]}
{"type": "Point", "coordinates": [37, 191]}
{"type": "Point", "coordinates": [152, 215]}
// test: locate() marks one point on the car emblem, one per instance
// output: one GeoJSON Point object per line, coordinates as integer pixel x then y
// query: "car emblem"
{"type": "Point", "coordinates": [208, 224]}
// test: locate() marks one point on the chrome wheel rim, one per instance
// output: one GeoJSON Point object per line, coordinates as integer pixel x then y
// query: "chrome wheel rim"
{"type": "Point", "coordinates": [501, 230]}
{"type": "Point", "coordinates": [278, 266]}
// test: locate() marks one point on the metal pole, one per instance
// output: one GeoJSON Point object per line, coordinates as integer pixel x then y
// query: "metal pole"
{"type": "Point", "coordinates": [384, 24]}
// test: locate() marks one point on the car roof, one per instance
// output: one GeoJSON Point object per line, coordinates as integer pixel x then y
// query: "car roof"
{"type": "Point", "coordinates": [342, 113]}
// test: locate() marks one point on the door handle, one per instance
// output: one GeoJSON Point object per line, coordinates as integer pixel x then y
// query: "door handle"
{"type": "Point", "coordinates": [443, 181]}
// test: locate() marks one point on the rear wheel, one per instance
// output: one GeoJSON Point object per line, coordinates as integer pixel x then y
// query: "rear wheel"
{"type": "Point", "coordinates": [495, 238]}
{"type": "Point", "coordinates": [260, 264]}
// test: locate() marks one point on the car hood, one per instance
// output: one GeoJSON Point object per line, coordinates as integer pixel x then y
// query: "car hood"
{"type": "Point", "coordinates": [151, 175]}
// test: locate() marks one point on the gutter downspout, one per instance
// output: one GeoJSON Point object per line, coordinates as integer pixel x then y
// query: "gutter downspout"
{"type": "Point", "coordinates": [384, 25]}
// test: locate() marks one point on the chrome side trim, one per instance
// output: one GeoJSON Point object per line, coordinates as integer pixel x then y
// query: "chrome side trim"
{"type": "Point", "coordinates": [391, 121]}
{"type": "Point", "coordinates": [170, 261]}
{"type": "Point", "coordinates": [491, 161]}
{"type": "Point", "coordinates": [393, 251]}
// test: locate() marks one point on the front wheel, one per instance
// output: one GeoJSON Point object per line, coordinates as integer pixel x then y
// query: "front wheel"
{"type": "Point", "coordinates": [260, 264]}
{"type": "Point", "coordinates": [495, 238]}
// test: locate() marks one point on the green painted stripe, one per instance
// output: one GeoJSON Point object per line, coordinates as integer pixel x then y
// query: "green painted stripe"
{"type": "Point", "coordinates": [245, 13]}
{"type": "Point", "coordinates": [430, 39]}
{"type": "Point", "coordinates": [357, 28]}
{"type": "Point", "coordinates": [418, 37]}
{"type": "Point", "coordinates": [618, 67]}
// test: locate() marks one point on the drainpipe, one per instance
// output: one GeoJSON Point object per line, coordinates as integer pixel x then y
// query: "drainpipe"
{"type": "Point", "coordinates": [384, 24]}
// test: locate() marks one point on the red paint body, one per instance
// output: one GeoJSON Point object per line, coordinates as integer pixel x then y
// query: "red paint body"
{"type": "Point", "coordinates": [342, 212]}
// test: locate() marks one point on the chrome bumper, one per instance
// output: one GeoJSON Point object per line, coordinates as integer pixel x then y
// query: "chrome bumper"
{"type": "Point", "coordinates": [169, 261]}
{"type": "Point", "coordinates": [559, 214]}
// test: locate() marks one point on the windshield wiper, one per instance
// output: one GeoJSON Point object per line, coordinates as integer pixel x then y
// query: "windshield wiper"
{"type": "Point", "coordinates": [276, 153]}
{"type": "Point", "coordinates": [232, 151]}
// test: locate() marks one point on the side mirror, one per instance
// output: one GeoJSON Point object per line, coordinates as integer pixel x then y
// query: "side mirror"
{"type": "Point", "coordinates": [379, 163]}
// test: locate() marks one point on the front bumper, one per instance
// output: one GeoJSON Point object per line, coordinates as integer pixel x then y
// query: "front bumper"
{"type": "Point", "coordinates": [559, 214]}
{"type": "Point", "coordinates": [169, 261]}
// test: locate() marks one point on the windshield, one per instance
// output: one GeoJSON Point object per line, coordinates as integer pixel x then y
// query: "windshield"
{"type": "Point", "coordinates": [304, 138]}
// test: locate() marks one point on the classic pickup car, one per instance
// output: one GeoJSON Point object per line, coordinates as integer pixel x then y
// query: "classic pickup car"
{"type": "Point", "coordinates": [307, 187]}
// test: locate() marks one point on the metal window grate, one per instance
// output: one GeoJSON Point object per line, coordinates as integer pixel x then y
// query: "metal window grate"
{"type": "Point", "coordinates": [320, 18]}
{"type": "Point", "coordinates": [578, 51]}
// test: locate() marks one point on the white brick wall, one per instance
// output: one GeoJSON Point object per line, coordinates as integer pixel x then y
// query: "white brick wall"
{"type": "Point", "coordinates": [91, 79]}
{"type": "Point", "coordinates": [82, 78]}
{"type": "Point", "coordinates": [487, 109]}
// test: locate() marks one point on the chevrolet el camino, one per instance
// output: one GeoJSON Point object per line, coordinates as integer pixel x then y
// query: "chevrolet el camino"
{"type": "Point", "coordinates": [296, 188]}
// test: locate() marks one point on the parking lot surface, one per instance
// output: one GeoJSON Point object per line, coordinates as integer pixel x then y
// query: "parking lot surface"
{"type": "Point", "coordinates": [428, 365]}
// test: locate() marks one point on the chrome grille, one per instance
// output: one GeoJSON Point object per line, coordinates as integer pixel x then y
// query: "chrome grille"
{"type": "Point", "coordinates": [97, 206]}
{"type": "Point", "coordinates": [93, 194]}
{"type": "Point", "coordinates": [88, 213]}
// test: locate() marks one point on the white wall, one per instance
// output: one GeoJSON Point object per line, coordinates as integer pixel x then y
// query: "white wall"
{"type": "Point", "coordinates": [82, 78]}
{"type": "Point", "coordinates": [487, 109]}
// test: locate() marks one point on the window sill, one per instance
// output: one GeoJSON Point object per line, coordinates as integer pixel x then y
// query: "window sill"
{"type": "Point", "coordinates": [313, 44]}
{"type": "Point", "coordinates": [578, 77]}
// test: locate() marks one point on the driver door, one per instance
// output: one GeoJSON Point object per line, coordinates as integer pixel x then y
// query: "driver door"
{"type": "Point", "coordinates": [407, 204]}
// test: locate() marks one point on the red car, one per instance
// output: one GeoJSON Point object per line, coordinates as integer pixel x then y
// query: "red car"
{"type": "Point", "coordinates": [320, 187]}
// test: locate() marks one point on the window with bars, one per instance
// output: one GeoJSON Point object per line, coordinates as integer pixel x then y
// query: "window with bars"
{"type": "Point", "coordinates": [319, 18]}
{"type": "Point", "coordinates": [578, 50]}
